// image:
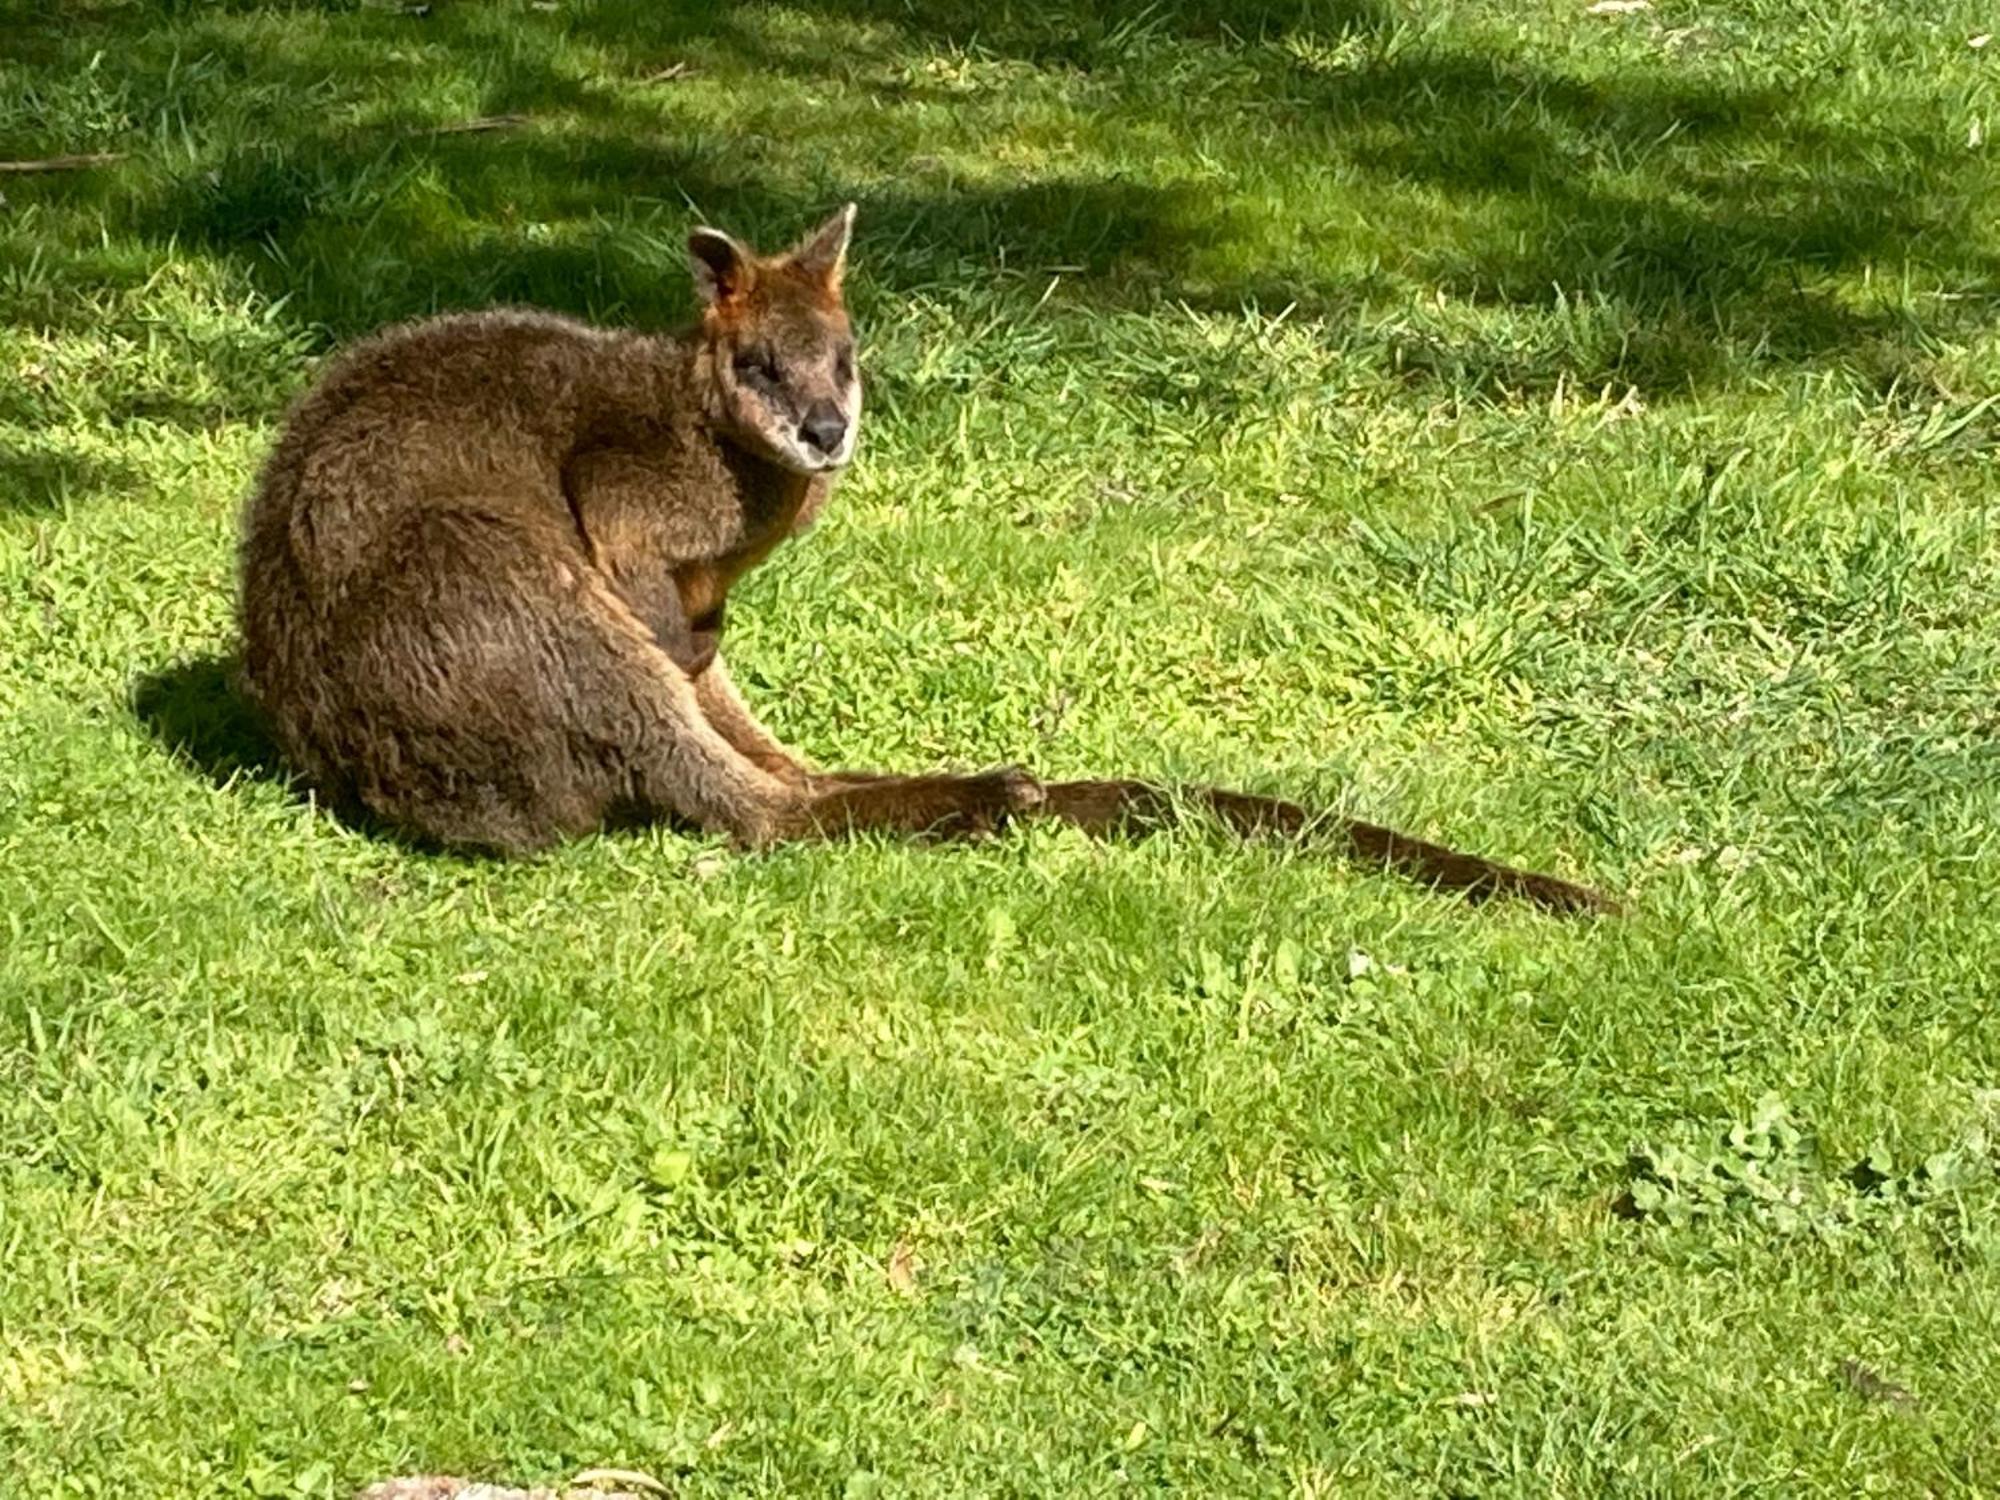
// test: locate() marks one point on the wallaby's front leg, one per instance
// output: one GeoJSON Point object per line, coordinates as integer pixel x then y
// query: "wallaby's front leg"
{"type": "Point", "coordinates": [734, 720]}
{"type": "Point", "coordinates": [676, 764]}
{"type": "Point", "coordinates": [690, 767]}
{"type": "Point", "coordinates": [640, 546]}
{"type": "Point", "coordinates": [731, 717]}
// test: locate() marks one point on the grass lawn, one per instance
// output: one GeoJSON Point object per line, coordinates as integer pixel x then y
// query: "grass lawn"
{"type": "Point", "coordinates": [1571, 435]}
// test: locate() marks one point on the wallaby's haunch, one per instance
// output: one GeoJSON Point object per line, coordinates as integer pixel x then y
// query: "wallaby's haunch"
{"type": "Point", "coordinates": [484, 576]}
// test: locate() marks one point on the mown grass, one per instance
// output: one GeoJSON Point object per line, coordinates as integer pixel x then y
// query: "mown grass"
{"type": "Point", "coordinates": [1571, 435]}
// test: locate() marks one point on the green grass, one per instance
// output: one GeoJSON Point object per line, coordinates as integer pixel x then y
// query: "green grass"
{"type": "Point", "coordinates": [1573, 436]}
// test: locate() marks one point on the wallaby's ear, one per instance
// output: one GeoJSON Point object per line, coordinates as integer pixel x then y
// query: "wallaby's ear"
{"type": "Point", "coordinates": [823, 253]}
{"type": "Point", "coordinates": [723, 267]}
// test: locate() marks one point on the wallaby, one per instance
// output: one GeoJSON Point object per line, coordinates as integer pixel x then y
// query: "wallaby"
{"type": "Point", "coordinates": [484, 575]}
{"type": "Point", "coordinates": [484, 572]}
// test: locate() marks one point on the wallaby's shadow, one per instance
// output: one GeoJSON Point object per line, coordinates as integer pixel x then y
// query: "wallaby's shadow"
{"type": "Point", "coordinates": [198, 712]}
{"type": "Point", "coordinates": [42, 480]}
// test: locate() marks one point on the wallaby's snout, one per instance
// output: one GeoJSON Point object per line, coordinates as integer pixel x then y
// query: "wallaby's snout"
{"type": "Point", "coordinates": [824, 430]}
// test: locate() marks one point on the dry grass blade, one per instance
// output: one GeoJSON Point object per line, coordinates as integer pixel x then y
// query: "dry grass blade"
{"type": "Point", "coordinates": [1871, 1385]}
{"type": "Point", "coordinates": [483, 123]}
{"type": "Point", "coordinates": [638, 1479]}
{"type": "Point", "coordinates": [902, 1269]}
{"type": "Point", "coordinates": [75, 162]}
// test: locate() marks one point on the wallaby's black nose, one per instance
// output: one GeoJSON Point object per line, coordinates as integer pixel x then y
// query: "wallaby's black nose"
{"type": "Point", "coordinates": [824, 427]}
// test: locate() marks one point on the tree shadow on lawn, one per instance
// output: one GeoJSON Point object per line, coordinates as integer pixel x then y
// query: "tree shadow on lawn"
{"type": "Point", "coordinates": [1524, 185]}
{"type": "Point", "coordinates": [1689, 207]}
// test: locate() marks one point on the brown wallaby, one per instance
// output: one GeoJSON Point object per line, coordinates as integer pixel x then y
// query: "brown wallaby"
{"type": "Point", "coordinates": [484, 573]}
{"type": "Point", "coordinates": [485, 569]}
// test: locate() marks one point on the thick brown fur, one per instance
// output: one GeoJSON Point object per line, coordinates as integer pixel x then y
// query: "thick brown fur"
{"type": "Point", "coordinates": [484, 574]}
{"type": "Point", "coordinates": [484, 579]}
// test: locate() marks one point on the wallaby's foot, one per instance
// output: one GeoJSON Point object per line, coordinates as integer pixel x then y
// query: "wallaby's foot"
{"type": "Point", "coordinates": [1109, 807]}
{"type": "Point", "coordinates": [1102, 808]}
{"type": "Point", "coordinates": [820, 783]}
{"type": "Point", "coordinates": [937, 807]}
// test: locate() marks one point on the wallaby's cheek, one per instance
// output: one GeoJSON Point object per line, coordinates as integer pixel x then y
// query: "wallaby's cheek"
{"type": "Point", "coordinates": [767, 417]}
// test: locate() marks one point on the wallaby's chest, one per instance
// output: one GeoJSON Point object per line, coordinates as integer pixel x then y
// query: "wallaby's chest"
{"type": "Point", "coordinates": [768, 518]}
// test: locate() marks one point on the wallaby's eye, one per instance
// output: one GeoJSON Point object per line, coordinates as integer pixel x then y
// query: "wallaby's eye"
{"type": "Point", "coordinates": [843, 364]}
{"type": "Point", "coordinates": [756, 366]}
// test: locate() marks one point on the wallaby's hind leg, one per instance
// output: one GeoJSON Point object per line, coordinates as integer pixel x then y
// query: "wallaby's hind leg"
{"type": "Point", "coordinates": [832, 806]}
{"type": "Point", "coordinates": [938, 806]}
{"type": "Point", "coordinates": [1106, 807]}
{"type": "Point", "coordinates": [646, 719]}
{"type": "Point", "coordinates": [501, 697]}
{"type": "Point", "coordinates": [809, 806]}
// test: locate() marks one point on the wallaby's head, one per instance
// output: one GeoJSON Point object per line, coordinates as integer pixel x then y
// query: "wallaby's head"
{"type": "Point", "coordinates": [782, 353]}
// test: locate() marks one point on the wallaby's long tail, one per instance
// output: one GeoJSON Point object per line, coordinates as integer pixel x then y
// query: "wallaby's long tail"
{"type": "Point", "coordinates": [1107, 807]}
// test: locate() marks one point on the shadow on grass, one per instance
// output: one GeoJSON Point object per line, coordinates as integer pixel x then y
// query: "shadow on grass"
{"type": "Point", "coordinates": [44, 479]}
{"type": "Point", "coordinates": [199, 714]}
{"type": "Point", "coordinates": [196, 710]}
{"type": "Point", "coordinates": [1697, 256]}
